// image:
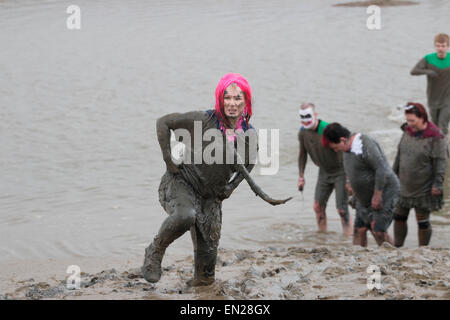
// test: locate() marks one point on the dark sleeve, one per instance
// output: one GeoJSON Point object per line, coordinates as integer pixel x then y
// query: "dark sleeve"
{"type": "Point", "coordinates": [439, 158]}
{"type": "Point", "coordinates": [175, 121]}
{"type": "Point", "coordinates": [421, 68]}
{"type": "Point", "coordinates": [377, 162]}
{"type": "Point", "coordinates": [302, 154]}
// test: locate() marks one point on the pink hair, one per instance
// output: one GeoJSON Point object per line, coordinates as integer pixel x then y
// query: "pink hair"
{"type": "Point", "coordinates": [242, 83]}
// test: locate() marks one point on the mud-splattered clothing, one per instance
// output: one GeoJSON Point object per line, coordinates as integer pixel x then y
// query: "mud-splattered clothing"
{"type": "Point", "coordinates": [331, 170]}
{"type": "Point", "coordinates": [324, 158]}
{"type": "Point", "coordinates": [367, 169]}
{"type": "Point", "coordinates": [208, 181]}
{"type": "Point", "coordinates": [438, 87]}
{"type": "Point", "coordinates": [420, 164]}
{"type": "Point", "coordinates": [193, 196]}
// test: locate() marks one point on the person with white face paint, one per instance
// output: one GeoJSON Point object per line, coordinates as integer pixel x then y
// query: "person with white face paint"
{"type": "Point", "coordinates": [331, 171]}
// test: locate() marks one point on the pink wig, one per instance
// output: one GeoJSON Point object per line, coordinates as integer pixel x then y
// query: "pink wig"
{"type": "Point", "coordinates": [242, 83]}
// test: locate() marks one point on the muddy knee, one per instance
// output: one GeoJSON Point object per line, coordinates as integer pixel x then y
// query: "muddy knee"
{"type": "Point", "coordinates": [423, 220]}
{"type": "Point", "coordinates": [183, 217]}
{"type": "Point", "coordinates": [379, 236]}
{"type": "Point", "coordinates": [318, 208]}
{"type": "Point", "coordinates": [176, 225]}
{"type": "Point", "coordinates": [424, 224]}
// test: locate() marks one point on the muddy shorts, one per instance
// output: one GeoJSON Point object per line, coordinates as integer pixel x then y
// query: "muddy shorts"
{"type": "Point", "coordinates": [174, 191]}
{"type": "Point", "coordinates": [376, 220]}
{"type": "Point", "coordinates": [326, 183]}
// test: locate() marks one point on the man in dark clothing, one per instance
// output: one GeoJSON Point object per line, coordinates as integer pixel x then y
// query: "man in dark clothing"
{"type": "Point", "coordinates": [375, 185]}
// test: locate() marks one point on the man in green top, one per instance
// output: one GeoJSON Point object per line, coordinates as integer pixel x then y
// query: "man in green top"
{"type": "Point", "coordinates": [331, 170]}
{"type": "Point", "coordinates": [437, 68]}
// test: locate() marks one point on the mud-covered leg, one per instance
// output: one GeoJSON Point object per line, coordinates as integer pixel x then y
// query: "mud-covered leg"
{"type": "Point", "coordinates": [360, 237]}
{"type": "Point", "coordinates": [444, 118]}
{"type": "Point", "coordinates": [346, 222]}
{"type": "Point", "coordinates": [400, 226]}
{"type": "Point", "coordinates": [321, 216]}
{"type": "Point", "coordinates": [205, 256]}
{"type": "Point", "coordinates": [434, 113]}
{"type": "Point", "coordinates": [342, 205]}
{"type": "Point", "coordinates": [381, 237]}
{"type": "Point", "coordinates": [424, 227]}
{"type": "Point", "coordinates": [172, 228]}
{"type": "Point", "coordinates": [324, 188]}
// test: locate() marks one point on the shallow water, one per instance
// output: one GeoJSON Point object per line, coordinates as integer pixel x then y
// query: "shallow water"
{"type": "Point", "coordinates": [80, 164]}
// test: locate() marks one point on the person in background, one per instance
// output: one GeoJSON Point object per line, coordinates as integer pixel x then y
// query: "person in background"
{"type": "Point", "coordinates": [420, 164]}
{"type": "Point", "coordinates": [331, 170]}
{"type": "Point", "coordinates": [436, 66]}
{"type": "Point", "coordinates": [371, 179]}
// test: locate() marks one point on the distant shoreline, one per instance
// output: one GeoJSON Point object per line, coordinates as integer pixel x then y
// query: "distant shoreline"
{"type": "Point", "coordinates": [381, 3]}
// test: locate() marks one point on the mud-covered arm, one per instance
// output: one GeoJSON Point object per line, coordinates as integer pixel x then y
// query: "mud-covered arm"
{"type": "Point", "coordinates": [377, 162]}
{"type": "Point", "coordinates": [421, 68]}
{"type": "Point", "coordinates": [233, 184]}
{"type": "Point", "coordinates": [396, 166]}
{"type": "Point", "coordinates": [439, 154]}
{"type": "Point", "coordinates": [174, 121]}
{"type": "Point", "coordinates": [302, 156]}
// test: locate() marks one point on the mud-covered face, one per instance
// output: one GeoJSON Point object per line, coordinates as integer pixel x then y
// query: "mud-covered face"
{"type": "Point", "coordinates": [307, 117]}
{"type": "Point", "coordinates": [233, 101]}
{"type": "Point", "coordinates": [441, 49]}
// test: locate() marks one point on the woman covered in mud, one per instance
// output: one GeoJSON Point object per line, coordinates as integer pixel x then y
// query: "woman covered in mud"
{"type": "Point", "coordinates": [192, 192]}
{"type": "Point", "coordinates": [420, 165]}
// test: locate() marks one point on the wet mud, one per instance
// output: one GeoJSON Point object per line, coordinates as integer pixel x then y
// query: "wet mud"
{"type": "Point", "coordinates": [270, 273]}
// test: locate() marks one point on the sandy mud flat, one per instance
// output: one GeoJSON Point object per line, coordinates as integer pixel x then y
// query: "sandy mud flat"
{"type": "Point", "coordinates": [269, 273]}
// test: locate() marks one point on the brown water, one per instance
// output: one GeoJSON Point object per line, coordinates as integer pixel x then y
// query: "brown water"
{"type": "Point", "coordinates": [80, 164]}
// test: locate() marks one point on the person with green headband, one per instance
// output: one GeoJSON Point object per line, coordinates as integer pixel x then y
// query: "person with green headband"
{"type": "Point", "coordinates": [331, 170]}
{"type": "Point", "coordinates": [436, 66]}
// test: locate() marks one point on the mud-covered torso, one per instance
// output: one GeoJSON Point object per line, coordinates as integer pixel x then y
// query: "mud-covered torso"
{"type": "Point", "coordinates": [438, 88]}
{"type": "Point", "coordinates": [210, 167]}
{"type": "Point", "coordinates": [416, 172]}
{"type": "Point", "coordinates": [366, 166]}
